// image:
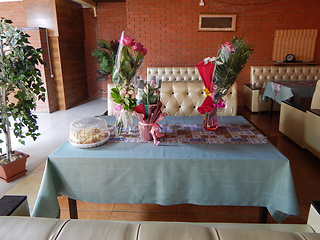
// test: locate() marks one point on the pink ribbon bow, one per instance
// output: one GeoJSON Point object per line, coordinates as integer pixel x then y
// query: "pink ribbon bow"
{"type": "Point", "coordinates": [155, 129]}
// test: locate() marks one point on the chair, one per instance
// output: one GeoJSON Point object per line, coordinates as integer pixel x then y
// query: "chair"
{"type": "Point", "coordinates": [312, 124]}
{"type": "Point", "coordinates": [293, 117]}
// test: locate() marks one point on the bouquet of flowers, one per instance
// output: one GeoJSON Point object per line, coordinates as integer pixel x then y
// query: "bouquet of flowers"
{"type": "Point", "coordinates": [219, 73]}
{"type": "Point", "coordinates": [129, 59]}
{"type": "Point", "coordinates": [151, 93]}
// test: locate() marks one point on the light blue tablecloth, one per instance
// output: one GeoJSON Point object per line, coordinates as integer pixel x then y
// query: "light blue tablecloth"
{"type": "Point", "coordinates": [203, 174]}
{"type": "Point", "coordinates": [288, 91]}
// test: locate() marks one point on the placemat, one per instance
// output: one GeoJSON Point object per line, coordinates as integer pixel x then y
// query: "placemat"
{"type": "Point", "coordinates": [195, 133]}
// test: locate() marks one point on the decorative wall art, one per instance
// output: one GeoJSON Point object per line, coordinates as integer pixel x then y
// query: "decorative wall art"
{"type": "Point", "coordinates": [217, 22]}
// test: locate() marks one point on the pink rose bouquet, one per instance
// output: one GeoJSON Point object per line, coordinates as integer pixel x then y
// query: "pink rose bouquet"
{"type": "Point", "coordinates": [128, 61]}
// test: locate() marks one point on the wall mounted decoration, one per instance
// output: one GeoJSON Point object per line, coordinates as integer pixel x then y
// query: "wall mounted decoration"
{"type": "Point", "coordinates": [299, 42]}
{"type": "Point", "coordinates": [217, 22]}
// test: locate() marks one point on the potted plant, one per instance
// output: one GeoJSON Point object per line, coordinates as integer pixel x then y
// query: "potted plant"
{"type": "Point", "coordinates": [105, 53]}
{"type": "Point", "coordinates": [21, 86]}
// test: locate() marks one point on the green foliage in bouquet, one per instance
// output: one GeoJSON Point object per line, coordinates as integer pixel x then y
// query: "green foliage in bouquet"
{"type": "Point", "coordinates": [125, 96]}
{"type": "Point", "coordinates": [128, 61]}
{"type": "Point", "coordinates": [105, 53]}
{"type": "Point", "coordinates": [229, 63]}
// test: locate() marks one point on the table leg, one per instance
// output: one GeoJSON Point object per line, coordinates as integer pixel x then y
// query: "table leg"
{"type": "Point", "coordinates": [263, 214]}
{"type": "Point", "coordinates": [73, 208]}
{"type": "Point", "coordinates": [271, 107]}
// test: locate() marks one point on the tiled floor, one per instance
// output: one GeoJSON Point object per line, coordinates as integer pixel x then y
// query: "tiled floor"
{"type": "Point", "coordinates": [305, 169]}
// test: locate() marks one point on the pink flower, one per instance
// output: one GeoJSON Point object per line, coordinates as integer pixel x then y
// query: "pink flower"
{"type": "Point", "coordinates": [228, 46]}
{"type": "Point", "coordinates": [137, 46]}
{"type": "Point", "coordinates": [221, 103]}
{"type": "Point", "coordinates": [127, 41]}
{"type": "Point", "coordinates": [117, 109]}
{"type": "Point", "coordinates": [123, 91]}
{"type": "Point", "coordinates": [143, 51]}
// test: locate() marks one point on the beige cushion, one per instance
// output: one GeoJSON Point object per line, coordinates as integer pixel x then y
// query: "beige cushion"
{"type": "Point", "coordinates": [312, 133]}
{"type": "Point", "coordinates": [291, 123]}
{"type": "Point", "coordinates": [315, 103]}
{"type": "Point", "coordinates": [25, 228]}
{"type": "Point", "coordinates": [99, 229]}
{"type": "Point", "coordinates": [175, 74]}
{"type": "Point", "coordinates": [183, 99]}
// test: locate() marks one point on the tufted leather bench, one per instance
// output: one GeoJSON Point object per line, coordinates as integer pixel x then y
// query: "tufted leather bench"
{"type": "Point", "coordinates": [260, 75]}
{"type": "Point", "coordinates": [182, 92]}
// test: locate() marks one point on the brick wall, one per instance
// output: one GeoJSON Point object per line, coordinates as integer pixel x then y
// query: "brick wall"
{"type": "Point", "coordinates": [15, 12]}
{"type": "Point", "coordinates": [168, 28]}
{"type": "Point", "coordinates": [111, 21]}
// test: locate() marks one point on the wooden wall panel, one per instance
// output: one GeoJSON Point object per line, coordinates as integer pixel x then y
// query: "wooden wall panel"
{"type": "Point", "coordinates": [72, 54]}
{"type": "Point", "coordinates": [73, 70]}
{"type": "Point", "coordinates": [301, 43]}
{"type": "Point", "coordinates": [57, 71]}
{"type": "Point", "coordinates": [41, 14]}
{"type": "Point", "coordinates": [70, 19]}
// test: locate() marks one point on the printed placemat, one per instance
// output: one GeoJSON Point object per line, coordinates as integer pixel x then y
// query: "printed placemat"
{"type": "Point", "coordinates": [195, 133]}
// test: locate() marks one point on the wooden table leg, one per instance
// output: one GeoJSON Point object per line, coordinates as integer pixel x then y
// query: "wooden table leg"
{"type": "Point", "coordinates": [271, 108]}
{"type": "Point", "coordinates": [73, 208]}
{"type": "Point", "coordinates": [263, 214]}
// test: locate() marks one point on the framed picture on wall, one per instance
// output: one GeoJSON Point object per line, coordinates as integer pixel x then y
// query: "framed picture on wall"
{"type": "Point", "coordinates": [217, 22]}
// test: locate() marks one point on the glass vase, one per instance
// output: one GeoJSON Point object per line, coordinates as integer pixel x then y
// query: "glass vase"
{"type": "Point", "coordinates": [210, 121]}
{"type": "Point", "coordinates": [124, 122]}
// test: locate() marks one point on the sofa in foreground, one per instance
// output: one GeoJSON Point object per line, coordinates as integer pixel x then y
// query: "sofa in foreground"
{"type": "Point", "coordinates": [26, 228]}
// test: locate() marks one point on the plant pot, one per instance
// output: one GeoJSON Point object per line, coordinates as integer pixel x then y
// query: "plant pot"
{"type": "Point", "coordinates": [14, 169]}
{"type": "Point", "coordinates": [144, 130]}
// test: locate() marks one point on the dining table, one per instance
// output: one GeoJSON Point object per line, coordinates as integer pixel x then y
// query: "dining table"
{"type": "Point", "coordinates": [283, 90]}
{"type": "Point", "coordinates": [234, 165]}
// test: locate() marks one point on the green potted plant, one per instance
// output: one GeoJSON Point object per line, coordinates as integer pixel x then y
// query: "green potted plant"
{"type": "Point", "coordinates": [21, 86]}
{"type": "Point", "coordinates": [105, 53]}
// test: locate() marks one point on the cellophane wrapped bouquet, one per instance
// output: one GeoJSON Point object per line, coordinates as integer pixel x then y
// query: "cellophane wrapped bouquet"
{"type": "Point", "coordinates": [127, 64]}
{"type": "Point", "coordinates": [219, 73]}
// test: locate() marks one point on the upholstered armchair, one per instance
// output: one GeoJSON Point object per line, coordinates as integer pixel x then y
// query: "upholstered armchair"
{"type": "Point", "coordinates": [292, 122]}
{"type": "Point", "coordinates": [312, 124]}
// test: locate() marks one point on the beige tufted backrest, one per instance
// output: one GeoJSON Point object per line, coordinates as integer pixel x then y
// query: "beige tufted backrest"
{"type": "Point", "coordinates": [183, 99]}
{"type": "Point", "coordinates": [260, 75]}
{"type": "Point", "coordinates": [315, 103]}
{"type": "Point", "coordinates": [175, 74]}
{"type": "Point", "coordinates": [182, 92]}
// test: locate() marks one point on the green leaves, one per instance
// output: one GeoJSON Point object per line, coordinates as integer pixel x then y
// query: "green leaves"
{"type": "Point", "coordinates": [105, 54]}
{"type": "Point", "coordinates": [19, 77]}
{"type": "Point", "coordinates": [124, 100]}
{"type": "Point", "coordinates": [233, 62]}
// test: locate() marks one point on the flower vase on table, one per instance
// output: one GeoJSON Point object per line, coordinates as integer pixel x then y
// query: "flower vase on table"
{"type": "Point", "coordinates": [210, 121]}
{"type": "Point", "coordinates": [218, 74]}
{"type": "Point", "coordinates": [124, 120]}
{"type": "Point", "coordinates": [128, 61]}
